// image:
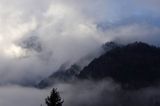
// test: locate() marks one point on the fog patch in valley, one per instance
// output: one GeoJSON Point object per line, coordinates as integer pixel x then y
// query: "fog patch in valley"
{"type": "Point", "coordinates": [81, 93]}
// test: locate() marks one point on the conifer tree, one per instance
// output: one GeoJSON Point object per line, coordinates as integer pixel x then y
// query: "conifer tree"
{"type": "Point", "coordinates": [54, 99]}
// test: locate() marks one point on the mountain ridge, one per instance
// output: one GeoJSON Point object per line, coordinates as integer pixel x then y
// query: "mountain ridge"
{"type": "Point", "coordinates": [135, 65]}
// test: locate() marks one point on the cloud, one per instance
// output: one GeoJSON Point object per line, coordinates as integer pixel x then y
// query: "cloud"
{"type": "Point", "coordinates": [18, 96]}
{"type": "Point", "coordinates": [65, 35]}
{"type": "Point", "coordinates": [106, 93]}
{"type": "Point", "coordinates": [134, 32]}
{"type": "Point", "coordinates": [38, 36]}
{"type": "Point", "coordinates": [78, 93]}
{"type": "Point", "coordinates": [67, 31]}
{"type": "Point", "coordinates": [91, 93]}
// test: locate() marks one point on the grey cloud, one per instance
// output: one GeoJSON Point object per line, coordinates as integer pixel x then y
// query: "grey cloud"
{"type": "Point", "coordinates": [134, 32]}
{"type": "Point", "coordinates": [64, 35]}
{"type": "Point", "coordinates": [86, 93]}
{"type": "Point", "coordinates": [22, 96]}
{"type": "Point", "coordinates": [38, 36]}
{"type": "Point", "coordinates": [106, 93]}
{"type": "Point", "coordinates": [67, 31]}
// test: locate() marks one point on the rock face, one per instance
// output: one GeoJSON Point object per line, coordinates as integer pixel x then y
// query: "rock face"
{"type": "Point", "coordinates": [135, 65]}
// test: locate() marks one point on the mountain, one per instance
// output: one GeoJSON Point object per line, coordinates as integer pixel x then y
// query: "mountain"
{"type": "Point", "coordinates": [134, 66]}
{"type": "Point", "coordinates": [62, 75]}
{"type": "Point", "coordinates": [71, 73]}
{"type": "Point", "coordinates": [110, 45]}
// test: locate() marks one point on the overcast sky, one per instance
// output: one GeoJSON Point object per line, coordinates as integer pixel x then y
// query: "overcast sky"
{"type": "Point", "coordinates": [38, 36]}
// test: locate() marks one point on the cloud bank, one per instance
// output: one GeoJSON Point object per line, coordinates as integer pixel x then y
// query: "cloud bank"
{"type": "Point", "coordinates": [86, 93]}
{"type": "Point", "coordinates": [106, 93]}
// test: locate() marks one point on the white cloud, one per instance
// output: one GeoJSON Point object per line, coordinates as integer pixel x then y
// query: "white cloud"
{"type": "Point", "coordinates": [66, 31]}
{"type": "Point", "coordinates": [65, 35]}
{"type": "Point", "coordinates": [134, 32]}
{"type": "Point", "coordinates": [20, 96]}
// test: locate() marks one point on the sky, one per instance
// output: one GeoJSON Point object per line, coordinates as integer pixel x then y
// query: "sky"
{"type": "Point", "coordinates": [38, 36]}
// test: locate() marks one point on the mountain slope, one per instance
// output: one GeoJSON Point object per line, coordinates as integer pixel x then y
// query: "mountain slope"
{"type": "Point", "coordinates": [62, 75]}
{"type": "Point", "coordinates": [133, 66]}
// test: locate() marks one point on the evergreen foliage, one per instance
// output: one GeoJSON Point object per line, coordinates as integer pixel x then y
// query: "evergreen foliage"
{"type": "Point", "coordinates": [54, 99]}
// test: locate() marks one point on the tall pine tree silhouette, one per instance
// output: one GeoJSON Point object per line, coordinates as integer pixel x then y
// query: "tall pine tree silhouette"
{"type": "Point", "coordinates": [54, 99]}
